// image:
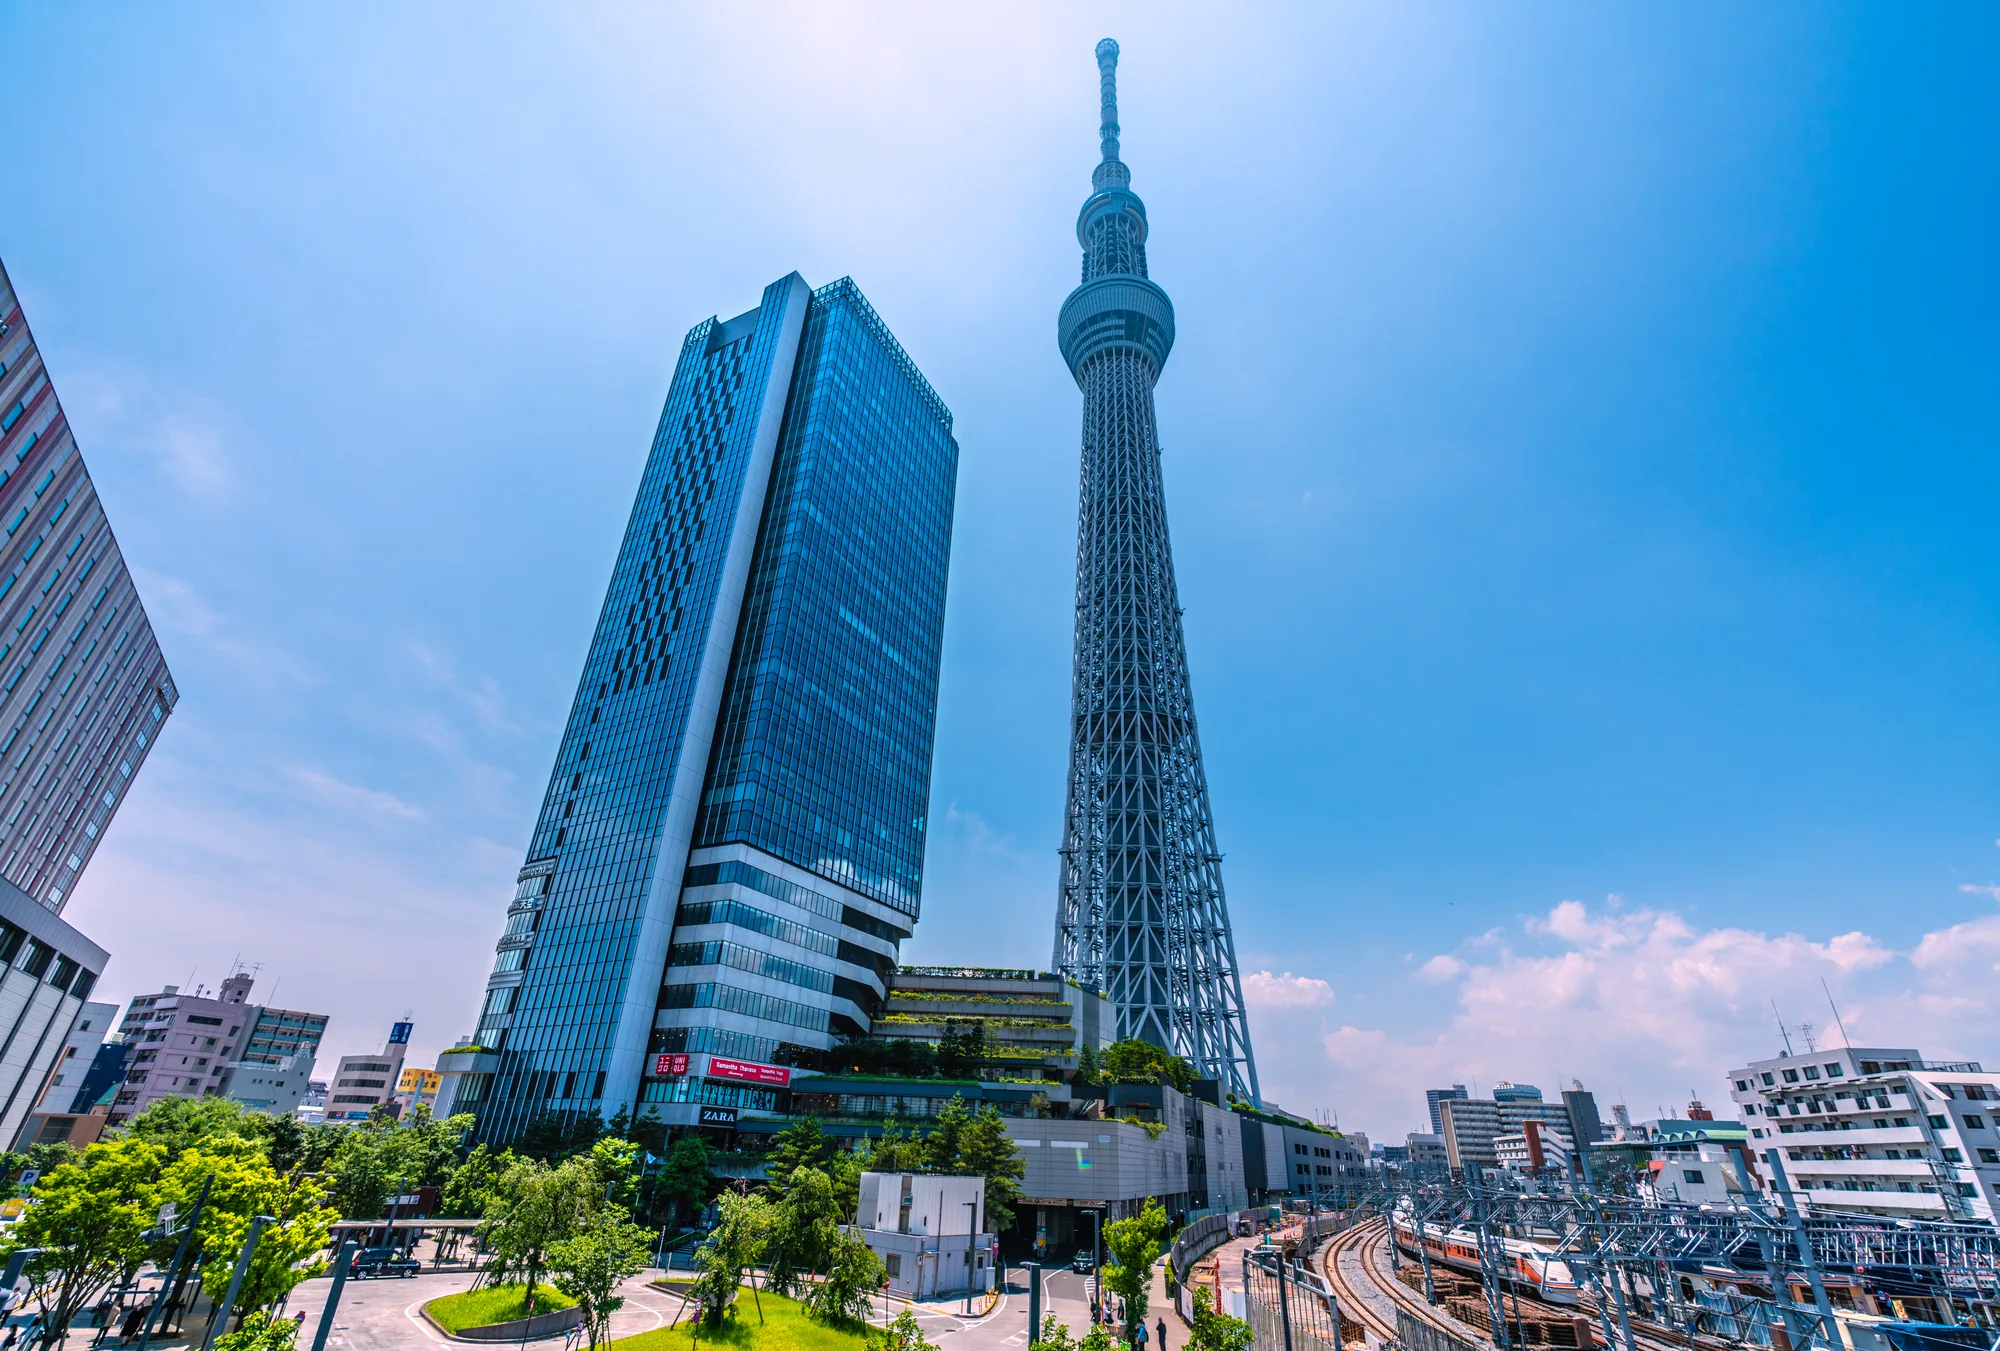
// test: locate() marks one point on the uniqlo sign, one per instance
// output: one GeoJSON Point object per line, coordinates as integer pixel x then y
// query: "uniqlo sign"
{"type": "Point", "coordinates": [668, 1065]}
{"type": "Point", "coordinates": [749, 1071]}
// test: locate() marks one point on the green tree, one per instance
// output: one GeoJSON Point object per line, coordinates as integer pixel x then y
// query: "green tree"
{"type": "Point", "coordinates": [985, 1149]}
{"type": "Point", "coordinates": [180, 1124]}
{"type": "Point", "coordinates": [245, 1186]}
{"type": "Point", "coordinates": [736, 1242]}
{"type": "Point", "coordinates": [977, 1144]}
{"type": "Point", "coordinates": [1055, 1336]}
{"type": "Point", "coordinates": [683, 1181]}
{"type": "Point", "coordinates": [962, 1050]}
{"type": "Point", "coordinates": [800, 1145]}
{"type": "Point", "coordinates": [555, 1136]}
{"type": "Point", "coordinates": [532, 1208]}
{"type": "Point", "coordinates": [853, 1272]}
{"type": "Point", "coordinates": [88, 1219]}
{"type": "Point", "coordinates": [1133, 1061]}
{"type": "Point", "coordinates": [1086, 1065]}
{"type": "Point", "coordinates": [1217, 1331]}
{"type": "Point", "coordinates": [1135, 1244]}
{"type": "Point", "coordinates": [261, 1331]}
{"type": "Point", "coordinates": [1097, 1339]}
{"type": "Point", "coordinates": [616, 1163]}
{"type": "Point", "coordinates": [590, 1267]}
{"type": "Point", "coordinates": [805, 1225]}
{"type": "Point", "coordinates": [470, 1185]}
{"type": "Point", "coordinates": [941, 1144]}
{"type": "Point", "coordinates": [896, 1151]}
{"type": "Point", "coordinates": [907, 1334]}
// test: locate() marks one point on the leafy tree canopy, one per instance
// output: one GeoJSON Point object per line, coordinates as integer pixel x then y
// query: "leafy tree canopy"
{"type": "Point", "coordinates": [89, 1218]}
{"type": "Point", "coordinates": [1133, 1061]}
{"type": "Point", "coordinates": [1135, 1244]}
{"type": "Point", "coordinates": [800, 1145]}
{"type": "Point", "coordinates": [1215, 1331]}
{"type": "Point", "coordinates": [589, 1267]}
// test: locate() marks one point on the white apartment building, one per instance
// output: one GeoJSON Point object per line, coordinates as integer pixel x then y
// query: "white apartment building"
{"type": "Point", "coordinates": [361, 1083]}
{"type": "Point", "coordinates": [1878, 1131]}
{"type": "Point", "coordinates": [1471, 1125]}
{"type": "Point", "coordinates": [1536, 1146]}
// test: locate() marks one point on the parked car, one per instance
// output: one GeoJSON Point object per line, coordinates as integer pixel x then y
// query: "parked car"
{"type": "Point", "coordinates": [1082, 1262]}
{"type": "Point", "coordinates": [383, 1262]}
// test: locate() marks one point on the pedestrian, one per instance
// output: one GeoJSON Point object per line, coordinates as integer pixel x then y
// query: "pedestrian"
{"type": "Point", "coordinates": [135, 1318]}
{"type": "Point", "coordinates": [1139, 1335]}
{"type": "Point", "coordinates": [1163, 1334]}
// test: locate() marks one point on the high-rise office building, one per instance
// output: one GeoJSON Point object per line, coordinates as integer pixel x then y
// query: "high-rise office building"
{"type": "Point", "coordinates": [731, 846]}
{"type": "Point", "coordinates": [1141, 913]}
{"type": "Point", "coordinates": [1433, 1096]}
{"type": "Point", "coordinates": [83, 687]}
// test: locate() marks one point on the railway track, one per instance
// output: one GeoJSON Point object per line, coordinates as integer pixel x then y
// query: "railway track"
{"type": "Point", "coordinates": [1362, 1298]}
{"type": "Point", "coordinates": [1362, 1285]}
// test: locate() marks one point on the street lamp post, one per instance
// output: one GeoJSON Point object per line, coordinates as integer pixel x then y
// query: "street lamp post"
{"type": "Point", "coordinates": [340, 1265]}
{"type": "Point", "coordinates": [174, 1272]}
{"type": "Point", "coordinates": [971, 1232]}
{"type": "Point", "coordinates": [1096, 1265]}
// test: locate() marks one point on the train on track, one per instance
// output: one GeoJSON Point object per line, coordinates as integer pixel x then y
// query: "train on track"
{"type": "Point", "coordinates": [1525, 1266]}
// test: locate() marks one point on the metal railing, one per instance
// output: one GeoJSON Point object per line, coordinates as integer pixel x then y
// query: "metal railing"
{"type": "Point", "coordinates": [1288, 1305]}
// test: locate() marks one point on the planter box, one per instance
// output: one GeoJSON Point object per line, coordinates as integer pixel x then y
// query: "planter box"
{"type": "Point", "coordinates": [520, 1330]}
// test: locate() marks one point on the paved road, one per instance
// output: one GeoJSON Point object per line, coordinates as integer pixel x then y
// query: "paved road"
{"type": "Point", "coordinates": [379, 1314]}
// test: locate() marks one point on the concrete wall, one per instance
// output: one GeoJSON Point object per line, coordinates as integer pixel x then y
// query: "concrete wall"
{"type": "Point", "coordinates": [1072, 1162]}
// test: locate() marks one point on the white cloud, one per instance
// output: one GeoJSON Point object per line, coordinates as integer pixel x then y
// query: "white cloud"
{"type": "Point", "coordinates": [339, 793]}
{"type": "Point", "coordinates": [1640, 1001]}
{"type": "Point", "coordinates": [1441, 968]}
{"type": "Point", "coordinates": [1974, 889]}
{"type": "Point", "coordinates": [175, 606]}
{"type": "Point", "coordinates": [190, 452]}
{"type": "Point", "coordinates": [1263, 990]}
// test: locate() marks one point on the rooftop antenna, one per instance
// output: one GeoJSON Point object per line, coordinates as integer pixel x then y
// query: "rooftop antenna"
{"type": "Point", "coordinates": [1836, 1014]}
{"type": "Point", "coordinates": [1805, 1031]}
{"type": "Point", "coordinates": [1781, 1026]}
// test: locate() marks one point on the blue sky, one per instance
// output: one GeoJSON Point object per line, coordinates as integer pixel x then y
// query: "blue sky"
{"type": "Point", "coordinates": [1579, 447]}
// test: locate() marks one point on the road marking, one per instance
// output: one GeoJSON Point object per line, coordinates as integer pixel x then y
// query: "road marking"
{"type": "Point", "coordinates": [417, 1318]}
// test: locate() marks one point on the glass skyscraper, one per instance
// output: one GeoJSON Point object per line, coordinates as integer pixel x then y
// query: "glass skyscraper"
{"type": "Point", "coordinates": [731, 845]}
{"type": "Point", "coordinates": [84, 690]}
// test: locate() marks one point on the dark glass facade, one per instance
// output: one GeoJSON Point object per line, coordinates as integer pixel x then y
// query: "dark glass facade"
{"type": "Point", "coordinates": [731, 844]}
{"type": "Point", "coordinates": [824, 752]}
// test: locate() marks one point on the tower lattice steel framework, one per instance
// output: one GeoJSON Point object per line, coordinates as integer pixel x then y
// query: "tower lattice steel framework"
{"type": "Point", "coordinates": [1142, 914]}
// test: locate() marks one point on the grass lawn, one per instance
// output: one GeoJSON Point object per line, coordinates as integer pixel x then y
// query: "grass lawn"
{"type": "Point", "coordinates": [785, 1328]}
{"type": "Point", "coordinates": [493, 1304]}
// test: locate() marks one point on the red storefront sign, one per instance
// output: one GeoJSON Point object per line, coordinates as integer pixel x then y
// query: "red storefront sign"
{"type": "Point", "coordinates": [670, 1065]}
{"type": "Point", "coordinates": [749, 1071]}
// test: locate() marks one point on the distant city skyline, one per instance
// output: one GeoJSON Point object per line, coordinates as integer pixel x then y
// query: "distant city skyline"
{"type": "Point", "coordinates": [1577, 450]}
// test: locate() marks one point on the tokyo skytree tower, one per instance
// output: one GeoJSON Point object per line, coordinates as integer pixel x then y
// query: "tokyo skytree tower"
{"type": "Point", "coordinates": [1142, 915]}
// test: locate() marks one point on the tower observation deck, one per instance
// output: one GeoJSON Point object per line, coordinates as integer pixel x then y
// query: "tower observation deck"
{"type": "Point", "coordinates": [1142, 914]}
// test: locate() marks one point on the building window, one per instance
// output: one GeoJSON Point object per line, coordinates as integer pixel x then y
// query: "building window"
{"type": "Point", "coordinates": [1937, 1122]}
{"type": "Point", "coordinates": [1989, 1156]}
{"type": "Point", "coordinates": [1691, 1174]}
{"type": "Point", "coordinates": [1973, 1123]}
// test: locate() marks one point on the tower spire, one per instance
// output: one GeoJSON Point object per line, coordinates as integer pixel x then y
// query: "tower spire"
{"type": "Point", "coordinates": [1107, 84]}
{"type": "Point", "coordinates": [1141, 913]}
